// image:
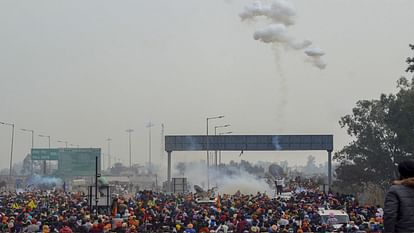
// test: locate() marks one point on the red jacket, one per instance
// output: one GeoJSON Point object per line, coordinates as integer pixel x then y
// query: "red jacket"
{"type": "Point", "coordinates": [66, 229]}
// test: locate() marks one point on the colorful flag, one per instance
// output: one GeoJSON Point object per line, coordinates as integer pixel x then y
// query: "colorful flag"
{"type": "Point", "coordinates": [31, 205]}
{"type": "Point", "coordinates": [218, 203]}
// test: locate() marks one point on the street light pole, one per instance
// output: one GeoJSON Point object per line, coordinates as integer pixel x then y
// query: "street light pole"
{"type": "Point", "coordinates": [44, 161]}
{"type": "Point", "coordinates": [129, 131]}
{"type": "Point", "coordinates": [96, 185]}
{"type": "Point", "coordinates": [162, 142]}
{"type": "Point", "coordinates": [229, 132]}
{"type": "Point", "coordinates": [109, 152]}
{"type": "Point", "coordinates": [149, 126]}
{"type": "Point", "coordinates": [215, 133]}
{"type": "Point", "coordinates": [11, 148]}
{"type": "Point", "coordinates": [32, 132]}
{"type": "Point", "coordinates": [31, 161]}
{"type": "Point", "coordinates": [45, 136]}
{"type": "Point", "coordinates": [208, 157]}
{"type": "Point", "coordinates": [66, 143]}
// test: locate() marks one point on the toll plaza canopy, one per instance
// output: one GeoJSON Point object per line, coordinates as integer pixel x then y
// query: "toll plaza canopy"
{"type": "Point", "coordinates": [249, 143]}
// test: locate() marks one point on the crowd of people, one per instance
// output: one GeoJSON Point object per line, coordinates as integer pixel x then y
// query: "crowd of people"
{"type": "Point", "coordinates": [147, 211]}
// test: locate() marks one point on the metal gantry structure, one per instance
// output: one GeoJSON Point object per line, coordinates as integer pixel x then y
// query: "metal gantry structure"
{"type": "Point", "coordinates": [249, 143]}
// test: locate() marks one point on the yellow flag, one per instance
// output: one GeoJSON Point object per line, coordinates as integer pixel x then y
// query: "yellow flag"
{"type": "Point", "coordinates": [151, 203]}
{"type": "Point", "coordinates": [31, 205]}
{"type": "Point", "coordinates": [15, 206]}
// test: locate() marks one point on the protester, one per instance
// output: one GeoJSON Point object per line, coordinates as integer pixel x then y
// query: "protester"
{"type": "Point", "coordinates": [66, 228]}
{"type": "Point", "coordinates": [399, 201]}
{"type": "Point", "coordinates": [279, 186]}
{"type": "Point", "coordinates": [147, 211]}
{"type": "Point", "coordinates": [190, 229]}
{"type": "Point", "coordinates": [332, 220]}
{"type": "Point", "coordinates": [273, 229]}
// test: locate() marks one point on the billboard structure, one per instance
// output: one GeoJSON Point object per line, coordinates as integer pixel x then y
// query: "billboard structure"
{"type": "Point", "coordinates": [72, 162]}
{"type": "Point", "coordinates": [249, 143]}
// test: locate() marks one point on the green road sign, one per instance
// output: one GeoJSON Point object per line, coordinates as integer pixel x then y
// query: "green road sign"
{"type": "Point", "coordinates": [78, 162]}
{"type": "Point", "coordinates": [72, 162]}
{"type": "Point", "coordinates": [45, 154]}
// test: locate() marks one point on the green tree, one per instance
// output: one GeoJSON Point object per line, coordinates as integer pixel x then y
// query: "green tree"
{"type": "Point", "coordinates": [383, 135]}
{"type": "Point", "coordinates": [410, 62]}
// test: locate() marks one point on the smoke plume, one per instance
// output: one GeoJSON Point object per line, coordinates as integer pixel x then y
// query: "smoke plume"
{"type": "Point", "coordinates": [281, 14]}
{"type": "Point", "coordinates": [315, 54]}
{"type": "Point", "coordinates": [238, 180]}
{"type": "Point", "coordinates": [37, 180]}
{"type": "Point", "coordinates": [242, 181]}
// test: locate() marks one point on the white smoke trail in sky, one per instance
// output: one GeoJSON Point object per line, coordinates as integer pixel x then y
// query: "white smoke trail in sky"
{"type": "Point", "coordinates": [282, 89]}
{"type": "Point", "coordinates": [281, 14]}
{"type": "Point", "coordinates": [315, 55]}
{"type": "Point", "coordinates": [280, 11]}
{"type": "Point", "coordinates": [273, 33]}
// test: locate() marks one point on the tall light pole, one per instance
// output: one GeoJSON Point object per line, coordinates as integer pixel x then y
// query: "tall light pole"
{"type": "Point", "coordinates": [109, 152]}
{"type": "Point", "coordinates": [129, 131]}
{"type": "Point", "coordinates": [66, 143]}
{"type": "Point", "coordinates": [215, 133]}
{"type": "Point", "coordinates": [44, 161]}
{"type": "Point", "coordinates": [31, 131]}
{"type": "Point", "coordinates": [45, 136]}
{"type": "Point", "coordinates": [11, 148]}
{"type": "Point", "coordinates": [149, 126]}
{"type": "Point", "coordinates": [229, 132]}
{"type": "Point", "coordinates": [208, 157]}
{"type": "Point", "coordinates": [162, 142]}
{"type": "Point", "coordinates": [31, 161]}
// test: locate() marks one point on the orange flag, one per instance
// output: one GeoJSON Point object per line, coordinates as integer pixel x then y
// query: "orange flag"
{"type": "Point", "coordinates": [218, 203]}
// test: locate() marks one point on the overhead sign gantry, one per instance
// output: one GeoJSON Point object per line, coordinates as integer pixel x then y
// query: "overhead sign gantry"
{"type": "Point", "coordinates": [249, 143]}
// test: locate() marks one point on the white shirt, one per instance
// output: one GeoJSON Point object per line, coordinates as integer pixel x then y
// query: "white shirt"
{"type": "Point", "coordinates": [280, 182]}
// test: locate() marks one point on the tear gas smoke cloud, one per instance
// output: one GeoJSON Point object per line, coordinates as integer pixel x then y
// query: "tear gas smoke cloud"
{"type": "Point", "coordinates": [301, 45]}
{"type": "Point", "coordinates": [282, 14]}
{"type": "Point", "coordinates": [279, 11]}
{"type": "Point", "coordinates": [314, 52]}
{"type": "Point", "coordinates": [239, 180]}
{"type": "Point", "coordinates": [315, 55]}
{"type": "Point", "coordinates": [37, 180]}
{"type": "Point", "coordinates": [244, 182]}
{"type": "Point", "coordinates": [272, 33]}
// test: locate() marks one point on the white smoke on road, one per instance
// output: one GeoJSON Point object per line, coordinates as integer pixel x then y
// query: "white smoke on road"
{"type": "Point", "coordinates": [242, 181]}
{"type": "Point", "coordinates": [281, 14]}
{"type": "Point", "coordinates": [37, 180]}
{"type": "Point", "coordinates": [238, 180]}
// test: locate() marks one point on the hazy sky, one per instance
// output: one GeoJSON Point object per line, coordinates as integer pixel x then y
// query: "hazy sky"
{"type": "Point", "coordinates": [83, 71]}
